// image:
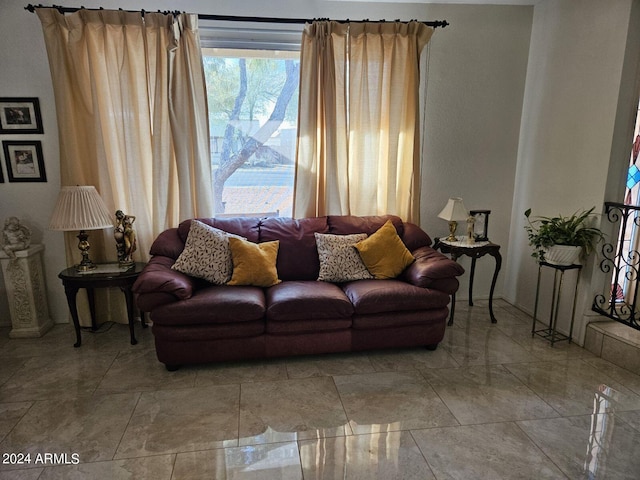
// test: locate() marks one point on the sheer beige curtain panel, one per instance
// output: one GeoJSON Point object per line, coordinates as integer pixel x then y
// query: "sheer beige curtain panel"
{"type": "Point", "coordinates": [358, 149]}
{"type": "Point", "coordinates": [132, 114]}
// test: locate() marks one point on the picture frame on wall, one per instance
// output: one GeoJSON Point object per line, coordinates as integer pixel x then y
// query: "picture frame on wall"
{"type": "Point", "coordinates": [481, 224]}
{"type": "Point", "coordinates": [24, 161]}
{"type": "Point", "coordinates": [20, 115]}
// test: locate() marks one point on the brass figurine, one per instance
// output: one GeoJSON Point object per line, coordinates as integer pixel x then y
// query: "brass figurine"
{"type": "Point", "coordinates": [125, 236]}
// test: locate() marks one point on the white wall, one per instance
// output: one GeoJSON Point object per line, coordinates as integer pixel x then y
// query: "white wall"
{"type": "Point", "coordinates": [477, 72]}
{"type": "Point", "coordinates": [570, 104]}
{"type": "Point", "coordinates": [25, 73]}
{"type": "Point", "coordinates": [474, 107]}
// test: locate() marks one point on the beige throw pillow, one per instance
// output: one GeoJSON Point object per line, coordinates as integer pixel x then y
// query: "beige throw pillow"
{"type": "Point", "coordinates": [206, 254]}
{"type": "Point", "coordinates": [339, 260]}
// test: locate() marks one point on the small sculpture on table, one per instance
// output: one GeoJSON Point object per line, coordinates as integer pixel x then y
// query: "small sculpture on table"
{"type": "Point", "coordinates": [16, 237]}
{"type": "Point", "coordinates": [125, 237]}
{"type": "Point", "coordinates": [471, 238]}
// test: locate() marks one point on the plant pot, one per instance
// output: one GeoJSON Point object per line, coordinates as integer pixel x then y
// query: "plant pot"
{"type": "Point", "coordinates": [563, 255]}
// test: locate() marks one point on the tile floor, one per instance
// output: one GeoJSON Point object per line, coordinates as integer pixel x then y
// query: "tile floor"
{"type": "Point", "coordinates": [489, 403]}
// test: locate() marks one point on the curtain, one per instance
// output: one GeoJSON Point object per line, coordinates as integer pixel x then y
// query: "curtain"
{"type": "Point", "coordinates": [132, 115]}
{"type": "Point", "coordinates": [358, 150]}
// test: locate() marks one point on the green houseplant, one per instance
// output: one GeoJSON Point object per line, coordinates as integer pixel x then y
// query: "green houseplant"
{"type": "Point", "coordinates": [574, 230]}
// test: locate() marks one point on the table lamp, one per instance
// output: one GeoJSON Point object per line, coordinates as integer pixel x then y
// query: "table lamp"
{"type": "Point", "coordinates": [453, 211]}
{"type": "Point", "coordinates": [80, 208]}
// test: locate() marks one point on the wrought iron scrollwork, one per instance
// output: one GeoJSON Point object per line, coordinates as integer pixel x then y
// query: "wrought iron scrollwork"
{"type": "Point", "coordinates": [622, 262]}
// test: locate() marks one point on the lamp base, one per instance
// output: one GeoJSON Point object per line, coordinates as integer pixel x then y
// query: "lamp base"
{"type": "Point", "coordinates": [84, 267]}
{"type": "Point", "coordinates": [453, 225]}
{"type": "Point", "coordinates": [85, 264]}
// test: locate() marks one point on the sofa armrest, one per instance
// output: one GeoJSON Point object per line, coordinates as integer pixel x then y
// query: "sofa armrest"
{"type": "Point", "coordinates": [157, 277]}
{"type": "Point", "coordinates": [432, 269]}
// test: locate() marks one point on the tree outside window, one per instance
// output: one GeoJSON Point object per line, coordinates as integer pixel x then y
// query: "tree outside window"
{"type": "Point", "coordinates": [252, 99]}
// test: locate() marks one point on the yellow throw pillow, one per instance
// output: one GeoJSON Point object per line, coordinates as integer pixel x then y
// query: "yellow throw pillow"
{"type": "Point", "coordinates": [383, 253]}
{"type": "Point", "coordinates": [254, 263]}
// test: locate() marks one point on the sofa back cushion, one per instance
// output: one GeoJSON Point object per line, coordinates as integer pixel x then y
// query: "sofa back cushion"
{"type": "Point", "coordinates": [349, 224]}
{"type": "Point", "coordinates": [298, 255]}
{"type": "Point", "coordinates": [247, 227]}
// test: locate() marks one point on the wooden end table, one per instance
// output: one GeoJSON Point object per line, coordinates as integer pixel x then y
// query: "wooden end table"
{"type": "Point", "coordinates": [475, 251]}
{"type": "Point", "coordinates": [104, 276]}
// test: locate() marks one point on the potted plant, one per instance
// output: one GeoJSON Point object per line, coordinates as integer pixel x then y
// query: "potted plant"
{"type": "Point", "coordinates": [552, 238]}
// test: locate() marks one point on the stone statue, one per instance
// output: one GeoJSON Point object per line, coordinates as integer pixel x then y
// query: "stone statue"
{"type": "Point", "coordinates": [15, 236]}
{"type": "Point", "coordinates": [125, 237]}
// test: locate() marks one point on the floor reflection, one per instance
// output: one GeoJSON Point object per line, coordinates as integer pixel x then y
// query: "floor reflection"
{"type": "Point", "coordinates": [490, 402]}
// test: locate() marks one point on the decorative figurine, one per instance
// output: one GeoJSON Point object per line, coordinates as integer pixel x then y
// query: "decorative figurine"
{"type": "Point", "coordinates": [471, 238]}
{"type": "Point", "coordinates": [16, 236]}
{"type": "Point", "coordinates": [125, 236]}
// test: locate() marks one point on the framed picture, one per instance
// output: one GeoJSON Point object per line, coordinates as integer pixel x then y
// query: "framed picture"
{"type": "Point", "coordinates": [24, 161]}
{"type": "Point", "coordinates": [481, 225]}
{"type": "Point", "coordinates": [20, 115]}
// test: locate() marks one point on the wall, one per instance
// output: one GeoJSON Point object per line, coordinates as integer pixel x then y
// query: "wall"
{"type": "Point", "coordinates": [477, 72]}
{"type": "Point", "coordinates": [25, 73]}
{"type": "Point", "coordinates": [571, 99]}
{"type": "Point", "coordinates": [474, 102]}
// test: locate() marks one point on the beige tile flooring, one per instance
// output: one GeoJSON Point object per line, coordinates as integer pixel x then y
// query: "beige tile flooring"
{"type": "Point", "coordinates": [489, 403]}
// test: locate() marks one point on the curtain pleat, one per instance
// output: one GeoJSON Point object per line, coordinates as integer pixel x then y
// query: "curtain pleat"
{"type": "Point", "coordinates": [132, 115]}
{"type": "Point", "coordinates": [358, 149]}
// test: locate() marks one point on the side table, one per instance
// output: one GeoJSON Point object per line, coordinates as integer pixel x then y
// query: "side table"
{"type": "Point", "coordinates": [549, 332]}
{"type": "Point", "coordinates": [475, 251]}
{"type": "Point", "coordinates": [106, 275]}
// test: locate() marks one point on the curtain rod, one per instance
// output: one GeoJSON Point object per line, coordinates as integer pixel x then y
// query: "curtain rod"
{"type": "Point", "coordinates": [233, 18]}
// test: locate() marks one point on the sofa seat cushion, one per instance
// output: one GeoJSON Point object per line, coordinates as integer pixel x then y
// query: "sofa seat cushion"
{"type": "Point", "coordinates": [214, 304]}
{"type": "Point", "coordinates": [307, 300]}
{"type": "Point", "coordinates": [379, 296]}
{"type": "Point", "coordinates": [397, 320]}
{"type": "Point", "coordinates": [299, 327]}
{"type": "Point", "coordinates": [204, 333]}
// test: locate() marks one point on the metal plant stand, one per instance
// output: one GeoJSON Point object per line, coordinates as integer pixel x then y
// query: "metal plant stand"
{"type": "Point", "coordinates": [549, 332]}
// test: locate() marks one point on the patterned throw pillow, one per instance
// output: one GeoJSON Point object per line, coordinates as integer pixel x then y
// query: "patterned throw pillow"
{"type": "Point", "coordinates": [206, 254]}
{"type": "Point", "coordinates": [339, 260]}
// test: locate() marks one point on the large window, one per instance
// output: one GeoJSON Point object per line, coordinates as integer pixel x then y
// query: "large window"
{"type": "Point", "coordinates": [253, 98]}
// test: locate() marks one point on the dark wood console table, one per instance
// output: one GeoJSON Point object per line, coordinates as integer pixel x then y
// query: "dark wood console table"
{"type": "Point", "coordinates": [475, 251]}
{"type": "Point", "coordinates": [106, 275]}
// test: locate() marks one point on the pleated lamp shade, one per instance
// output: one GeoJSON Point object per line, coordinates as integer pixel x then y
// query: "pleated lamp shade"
{"type": "Point", "coordinates": [454, 210]}
{"type": "Point", "coordinates": [80, 208]}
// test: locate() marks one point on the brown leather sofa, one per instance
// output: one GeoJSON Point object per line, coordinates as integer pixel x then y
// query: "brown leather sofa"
{"type": "Point", "coordinates": [195, 321]}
